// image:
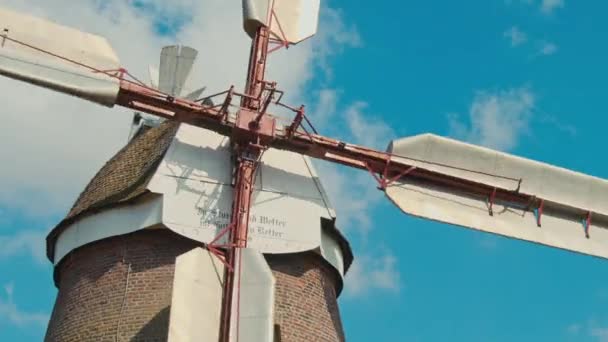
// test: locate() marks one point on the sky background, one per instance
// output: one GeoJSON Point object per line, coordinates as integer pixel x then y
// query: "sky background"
{"type": "Point", "coordinates": [522, 76]}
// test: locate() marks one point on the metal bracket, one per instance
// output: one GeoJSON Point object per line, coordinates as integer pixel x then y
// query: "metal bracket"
{"type": "Point", "coordinates": [587, 224]}
{"type": "Point", "coordinates": [491, 202]}
{"type": "Point", "coordinates": [280, 41]}
{"type": "Point", "coordinates": [227, 101]}
{"type": "Point", "coordinates": [385, 181]}
{"type": "Point", "coordinates": [4, 35]}
{"type": "Point", "coordinates": [297, 121]}
{"type": "Point", "coordinates": [221, 257]}
{"type": "Point", "coordinates": [539, 212]}
{"type": "Point", "coordinates": [214, 248]}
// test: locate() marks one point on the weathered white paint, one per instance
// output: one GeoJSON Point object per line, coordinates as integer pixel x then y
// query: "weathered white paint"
{"type": "Point", "coordinates": [176, 62]}
{"type": "Point", "coordinates": [545, 181]}
{"type": "Point", "coordinates": [175, 65]}
{"type": "Point", "coordinates": [195, 177]}
{"type": "Point", "coordinates": [108, 223]}
{"type": "Point", "coordinates": [253, 298]}
{"type": "Point", "coordinates": [23, 63]}
{"type": "Point", "coordinates": [294, 20]}
{"type": "Point", "coordinates": [196, 300]}
{"type": "Point", "coordinates": [331, 251]}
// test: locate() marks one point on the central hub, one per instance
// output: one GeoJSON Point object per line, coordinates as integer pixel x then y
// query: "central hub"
{"type": "Point", "coordinates": [249, 127]}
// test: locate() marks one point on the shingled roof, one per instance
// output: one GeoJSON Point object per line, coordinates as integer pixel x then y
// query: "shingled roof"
{"type": "Point", "coordinates": [124, 178]}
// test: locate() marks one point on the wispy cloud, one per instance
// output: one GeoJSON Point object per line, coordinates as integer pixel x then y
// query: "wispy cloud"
{"type": "Point", "coordinates": [496, 119]}
{"type": "Point", "coordinates": [592, 329]}
{"type": "Point", "coordinates": [373, 272]}
{"type": "Point", "coordinates": [11, 312]}
{"type": "Point", "coordinates": [545, 6]}
{"type": "Point", "coordinates": [488, 242]}
{"type": "Point", "coordinates": [515, 36]}
{"type": "Point", "coordinates": [30, 242]}
{"type": "Point", "coordinates": [600, 334]}
{"type": "Point", "coordinates": [334, 38]}
{"type": "Point", "coordinates": [547, 48]}
{"type": "Point", "coordinates": [354, 193]}
{"type": "Point", "coordinates": [574, 329]}
{"type": "Point", "coordinates": [368, 130]}
{"type": "Point", "coordinates": [549, 6]}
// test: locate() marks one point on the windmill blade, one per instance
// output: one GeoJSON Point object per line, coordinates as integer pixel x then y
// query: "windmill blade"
{"type": "Point", "coordinates": [29, 52]}
{"type": "Point", "coordinates": [154, 75]}
{"type": "Point", "coordinates": [254, 300]}
{"type": "Point", "coordinates": [291, 21]}
{"type": "Point", "coordinates": [565, 209]}
{"type": "Point", "coordinates": [195, 94]}
{"type": "Point", "coordinates": [175, 65]}
{"type": "Point", "coordinates": [196, 297]}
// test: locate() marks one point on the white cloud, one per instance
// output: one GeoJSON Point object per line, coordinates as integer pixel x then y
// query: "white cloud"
{"type": "Point", "coordinates": [354, 119]}
{"type": "Point", "coordinates": [325, 108]}
{"type": "Point", "coordinates": [367, 130]}
{"type": "Point", "coordinates": [9, 311]}
{"type": "Point", "coordinates": [548, 6]}
{"type": "Point", "coordinates": [600, 334]}
{"type": "Point", "coordinates": [353, 192]}
{"type": "Point", "coordinates": [30, 242]}
{"type": "Point", "coordinates": [496, 119]}
{"type": "Point", "coordinates": [354, 195]}
{"type": "Point", "coordinates": [515, 36]}
{"type": "Point", "coordinates": [547, 49]}
{"type": "Point", "coordinates": [333, 38]}
{"type": "Point", "coordinates": [488, 242]}
{"type": "Point", "coordinates": [373, 272]}
{"type": "Point", "coordinates": [594, 329]}
{"type": "Point", "coordinates": [545, 6]}
{"type": "Point", "coordinates": [574, 329]}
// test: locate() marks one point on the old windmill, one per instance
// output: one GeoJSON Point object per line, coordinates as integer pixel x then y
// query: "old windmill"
{"type": "Point", "coordinates": [234, 179]}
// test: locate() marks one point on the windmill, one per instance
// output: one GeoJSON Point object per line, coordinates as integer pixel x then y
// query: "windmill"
{"type": "Point", "coordinates": [170, 77]}
{"type": "Point", "coordinates": [426, 175]}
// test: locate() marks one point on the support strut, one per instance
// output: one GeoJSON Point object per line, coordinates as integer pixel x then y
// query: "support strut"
{"type": "Point", "coordinates": [247, 154]}
{"type": "Point", "coordinates": [246, 165]}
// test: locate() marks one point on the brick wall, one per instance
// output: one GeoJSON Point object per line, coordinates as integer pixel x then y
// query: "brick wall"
{"type": "Point", "coordinates": [306, 309]}
{"type": "Point", "coordinates": [119, 289]}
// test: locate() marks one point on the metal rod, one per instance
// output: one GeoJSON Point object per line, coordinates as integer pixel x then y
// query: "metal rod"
{"type": "Point", "coordinates": [247, 155]}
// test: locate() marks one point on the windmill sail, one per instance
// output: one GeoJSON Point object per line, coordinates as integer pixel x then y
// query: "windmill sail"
{"type": "Point", "coordinates": [175, 65]}
{"type": "Point", "coordinates": [195, 94]}
{"type": "Point", "coordinates": [255, 291]}
{"type": "Point", "coordinates": [19, 60]}
{"type": "Point", "coordinates": [567, 210]}
{"type": "Point", "coordinates": [291, 21]}
{"type": "Point", "coordinates": [197, 297]}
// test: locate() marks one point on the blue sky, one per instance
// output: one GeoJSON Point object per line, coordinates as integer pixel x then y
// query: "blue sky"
{"type": "Point", "coordinates": [524, 76]}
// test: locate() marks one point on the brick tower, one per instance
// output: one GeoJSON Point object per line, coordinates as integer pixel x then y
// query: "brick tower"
{"type": "Point", "coordinates": [115, 256]}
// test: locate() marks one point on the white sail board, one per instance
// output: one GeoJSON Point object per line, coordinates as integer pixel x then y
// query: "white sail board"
{"type": "Point", "coordinates": [196, 302]}
{"type": "Point", "coordinates": [291, 21]}
{"type": "Point", "coordinates": [29, 52]}
{"type": "Point", "coordinates": [569, 197]}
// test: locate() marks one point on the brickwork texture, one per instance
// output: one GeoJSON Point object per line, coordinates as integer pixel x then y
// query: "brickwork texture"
{"type": "Point", "coordinates": [119, 289]}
